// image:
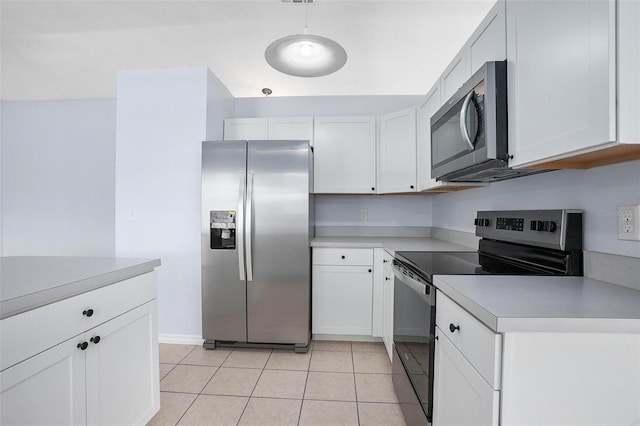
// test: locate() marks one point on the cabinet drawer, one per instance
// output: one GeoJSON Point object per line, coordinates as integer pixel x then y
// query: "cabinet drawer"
{"type": "Point", "coordinates": [29, 333]}
{"type": "Point", "coordinates": [479, 345]}
{"type": "Point", "coordinates": [342, 256]}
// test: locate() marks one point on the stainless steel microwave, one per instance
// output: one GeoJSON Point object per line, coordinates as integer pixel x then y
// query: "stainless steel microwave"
{"type": "Point", "coordinates": [469, 132]}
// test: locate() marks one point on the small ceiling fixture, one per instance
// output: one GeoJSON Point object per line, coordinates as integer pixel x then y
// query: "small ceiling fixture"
{"type": "Point", "coordinates": [266, 91]}
{"type": "Point", "coordinates": [305, 55]}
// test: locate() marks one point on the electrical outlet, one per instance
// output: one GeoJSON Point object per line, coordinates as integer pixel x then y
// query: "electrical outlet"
{"type": "Point", "coordinates": [629, 223]}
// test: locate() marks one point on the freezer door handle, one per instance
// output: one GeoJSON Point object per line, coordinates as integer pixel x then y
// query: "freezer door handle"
{"type": "Point", "coordinates": [249, 226]}
{"type": "Point", "coordinates": [240, 227]}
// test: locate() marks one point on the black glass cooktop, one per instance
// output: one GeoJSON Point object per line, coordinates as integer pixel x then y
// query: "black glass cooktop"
{"type": "Point", "coordinates": [429, 264]}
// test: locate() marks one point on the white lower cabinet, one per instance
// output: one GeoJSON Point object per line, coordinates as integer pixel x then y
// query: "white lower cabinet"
{"type": "Point", "coordinates": [107, 375]}
{"type": "Point", "coordinates": [537, 378]}
{"type": "Point", "coordinates": [122, 369]}
{"type": "Point", "coordinates": [387, 303]}
{"type": "Point", "coordinates": [47, 389]}
{"type": "Point", "coordinates": [467, 363]}
{"type": "Point", "coordinates": [342, 291]}
{"type": "Point", "coordinates": [461, 395]}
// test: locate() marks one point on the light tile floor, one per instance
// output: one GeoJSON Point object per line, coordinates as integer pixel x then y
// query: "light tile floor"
{"type": "Point", "coordinates": [335, 384]}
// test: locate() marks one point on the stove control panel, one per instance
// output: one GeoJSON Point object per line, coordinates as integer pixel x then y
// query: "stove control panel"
{"type": "Point", "coordinates": [557, 229]}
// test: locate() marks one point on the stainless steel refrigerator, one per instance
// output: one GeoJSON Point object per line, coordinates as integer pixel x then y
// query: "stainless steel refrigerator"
{"type": "Point", "coordinates": [256, 228]}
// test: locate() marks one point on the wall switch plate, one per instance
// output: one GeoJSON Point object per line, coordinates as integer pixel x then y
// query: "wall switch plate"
{"type": "Point", "coordinates": [629, 223]}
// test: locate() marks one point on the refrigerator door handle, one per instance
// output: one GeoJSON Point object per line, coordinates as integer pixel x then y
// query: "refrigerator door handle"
{"type": "Point", "coordinates": [240, 227]}
{"type": "Point", "coordinates": [249, 226]}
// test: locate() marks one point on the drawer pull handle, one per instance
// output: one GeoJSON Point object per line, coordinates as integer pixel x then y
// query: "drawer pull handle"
{"type": "Point", "coordinates": [453, 328]}
{"type": "Point", "coordinates": [88, 312]}
{"type": "Point", "coordinates": [343, 257]}
{"type": "Point", "coordinates": [82, 346]}
{"type": "Point", "coordinates": [95, 339]}
{"type": "Point", "coordinates": [387, 279]}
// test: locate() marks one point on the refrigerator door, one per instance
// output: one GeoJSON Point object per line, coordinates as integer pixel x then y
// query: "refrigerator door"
{"type": "Point", "coordinates": [223, 268]}
{"type": "Point", "coordinates": [277, 250]}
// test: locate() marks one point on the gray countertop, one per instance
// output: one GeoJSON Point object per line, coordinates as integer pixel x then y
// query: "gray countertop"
{"type": "Point", "coordinates": [551, 304]}
{"type": "Point", "coordinates": [28, 282]}
{"type": "Point", "coordinates": [391, 244]}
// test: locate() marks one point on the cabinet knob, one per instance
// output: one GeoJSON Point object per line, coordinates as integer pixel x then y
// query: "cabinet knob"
{"type": "Point", "coordinates": [370, 270]}
{"type": "Point", "coordinates": [88, 312]}
{"type": "Point", "coordinates": [385, 261]}
{"type": "Point", "coordinates": [82, 346]}
{"type": "Point", "coordinates": [411, 186]}
{"type": "Point", "coordinates": [453, 328]}
{"type": "Point", "coordinates": [387, 279]}
{"type": "Point", "coordinates": [95, 339]}
{"type": "Point", "coordinates": [373, 188]}
{"type": "Point", "coordinates": [343, 257]}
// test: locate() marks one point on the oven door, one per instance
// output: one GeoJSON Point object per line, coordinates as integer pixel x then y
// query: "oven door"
{"type": "Point", "coordinates": [414, 315]}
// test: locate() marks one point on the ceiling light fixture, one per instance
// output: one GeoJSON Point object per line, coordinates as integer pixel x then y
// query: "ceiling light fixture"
{"type": "Point", "coordinates": [305, 55]}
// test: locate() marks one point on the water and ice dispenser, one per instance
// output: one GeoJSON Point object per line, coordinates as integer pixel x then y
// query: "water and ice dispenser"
{"type": "Point", "coordinates": [222, 230]}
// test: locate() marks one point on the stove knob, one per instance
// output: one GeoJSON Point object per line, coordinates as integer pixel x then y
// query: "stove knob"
{"type": "Point", "coordinates": [549, 226]}
{"type": "Point", "coordinates": [537, 225]}
{"type": "Point", "coordinates": [481, 222]}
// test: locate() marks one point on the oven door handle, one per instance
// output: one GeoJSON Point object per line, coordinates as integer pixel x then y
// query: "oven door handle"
{"type": "Point", "coordinates": [417, 286]}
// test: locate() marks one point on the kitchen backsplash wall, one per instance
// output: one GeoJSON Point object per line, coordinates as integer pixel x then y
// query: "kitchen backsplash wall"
{"type": "Point", "coordinates": [58, 177]}
{"type": "Point", "coordinates": [597, 191]}
{"type": "Point", "coordinates": [373, 210]}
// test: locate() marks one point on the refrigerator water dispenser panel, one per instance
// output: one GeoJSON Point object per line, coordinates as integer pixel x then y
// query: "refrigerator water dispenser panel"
{"type": "Point", "coordinates": [222, 230]}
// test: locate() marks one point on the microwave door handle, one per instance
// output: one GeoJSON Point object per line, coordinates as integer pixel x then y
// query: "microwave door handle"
{"type": "Point", "coordinates": [463, 120]}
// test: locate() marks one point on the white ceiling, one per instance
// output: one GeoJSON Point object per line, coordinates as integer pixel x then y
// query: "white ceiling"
{"type": "Point", "coordinates": [72, 49]}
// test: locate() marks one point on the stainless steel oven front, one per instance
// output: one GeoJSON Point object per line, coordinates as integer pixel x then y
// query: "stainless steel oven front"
{"type": "Point", "coordinates": [414, 316]}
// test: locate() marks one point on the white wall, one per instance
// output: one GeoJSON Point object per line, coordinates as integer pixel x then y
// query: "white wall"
{"type": "Point", "coordinates": [162, 118]}
{"type": "Point", "coordinates": [597, 191]}
{"type": "Point", "coordinates": [382, 210]}
{"type": "Point", "coordinates": [58, 178]}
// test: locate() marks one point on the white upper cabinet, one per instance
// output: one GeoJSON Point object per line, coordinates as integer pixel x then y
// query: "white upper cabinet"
{"type": "Point", "coordinates": [272, 128]}
{"type": "Point", "coordinates": [488, 42]}
{"type": "Point", "coordinates": [345, 155]}
{"type": "Point", "coordinates": [561, 77]}
{"type": "Point", "coordinates": [426, 110]}
{"type": "Point", "coordinates": [455, 75]}
{"type": "Point", "coordinates": [245, 129]}
{"type": "Point", "coordinates": [397, 152]}
{"type": "Point", "coordinates": [290, 128]}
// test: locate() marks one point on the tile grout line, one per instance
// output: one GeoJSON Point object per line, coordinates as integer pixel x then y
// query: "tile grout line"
{"type": "Point", "coordinates": [355, 386]}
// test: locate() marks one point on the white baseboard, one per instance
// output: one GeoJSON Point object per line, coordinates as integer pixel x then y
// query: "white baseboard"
{"type": "Point", "coordinates": [180, 339]}
{"type": "Point", "coordinates": [345, 337]}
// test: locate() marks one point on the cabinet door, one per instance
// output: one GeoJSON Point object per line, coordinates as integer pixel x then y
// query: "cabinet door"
{"type": "Point", "coordinates": [387, 304]}
{"type": "Point", "coordinates": [122, 369]}
{"type": "Point", "coordinates": [561, 77]}
{"type": "Point", "coordinates": [426, 110]}
{"type": "Point", "coordinates": [342, 300]}
{"type": "Point", "coordinates": [245, 129]}
{"type": "Point", "coordinates": [397, 152]}
{"type": "Point", "coordinates": [460, 394]}
{"type": "Point", "coordinates": [454, 76]}
{"type": "Point", "coordinates": [345, 155]}
{"type": "Point", "coordinates": [489, 41]}
{"type": "Point", "coordinates": [293, 128]}
{"type": "Point", "coordinates": [47, 389]}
